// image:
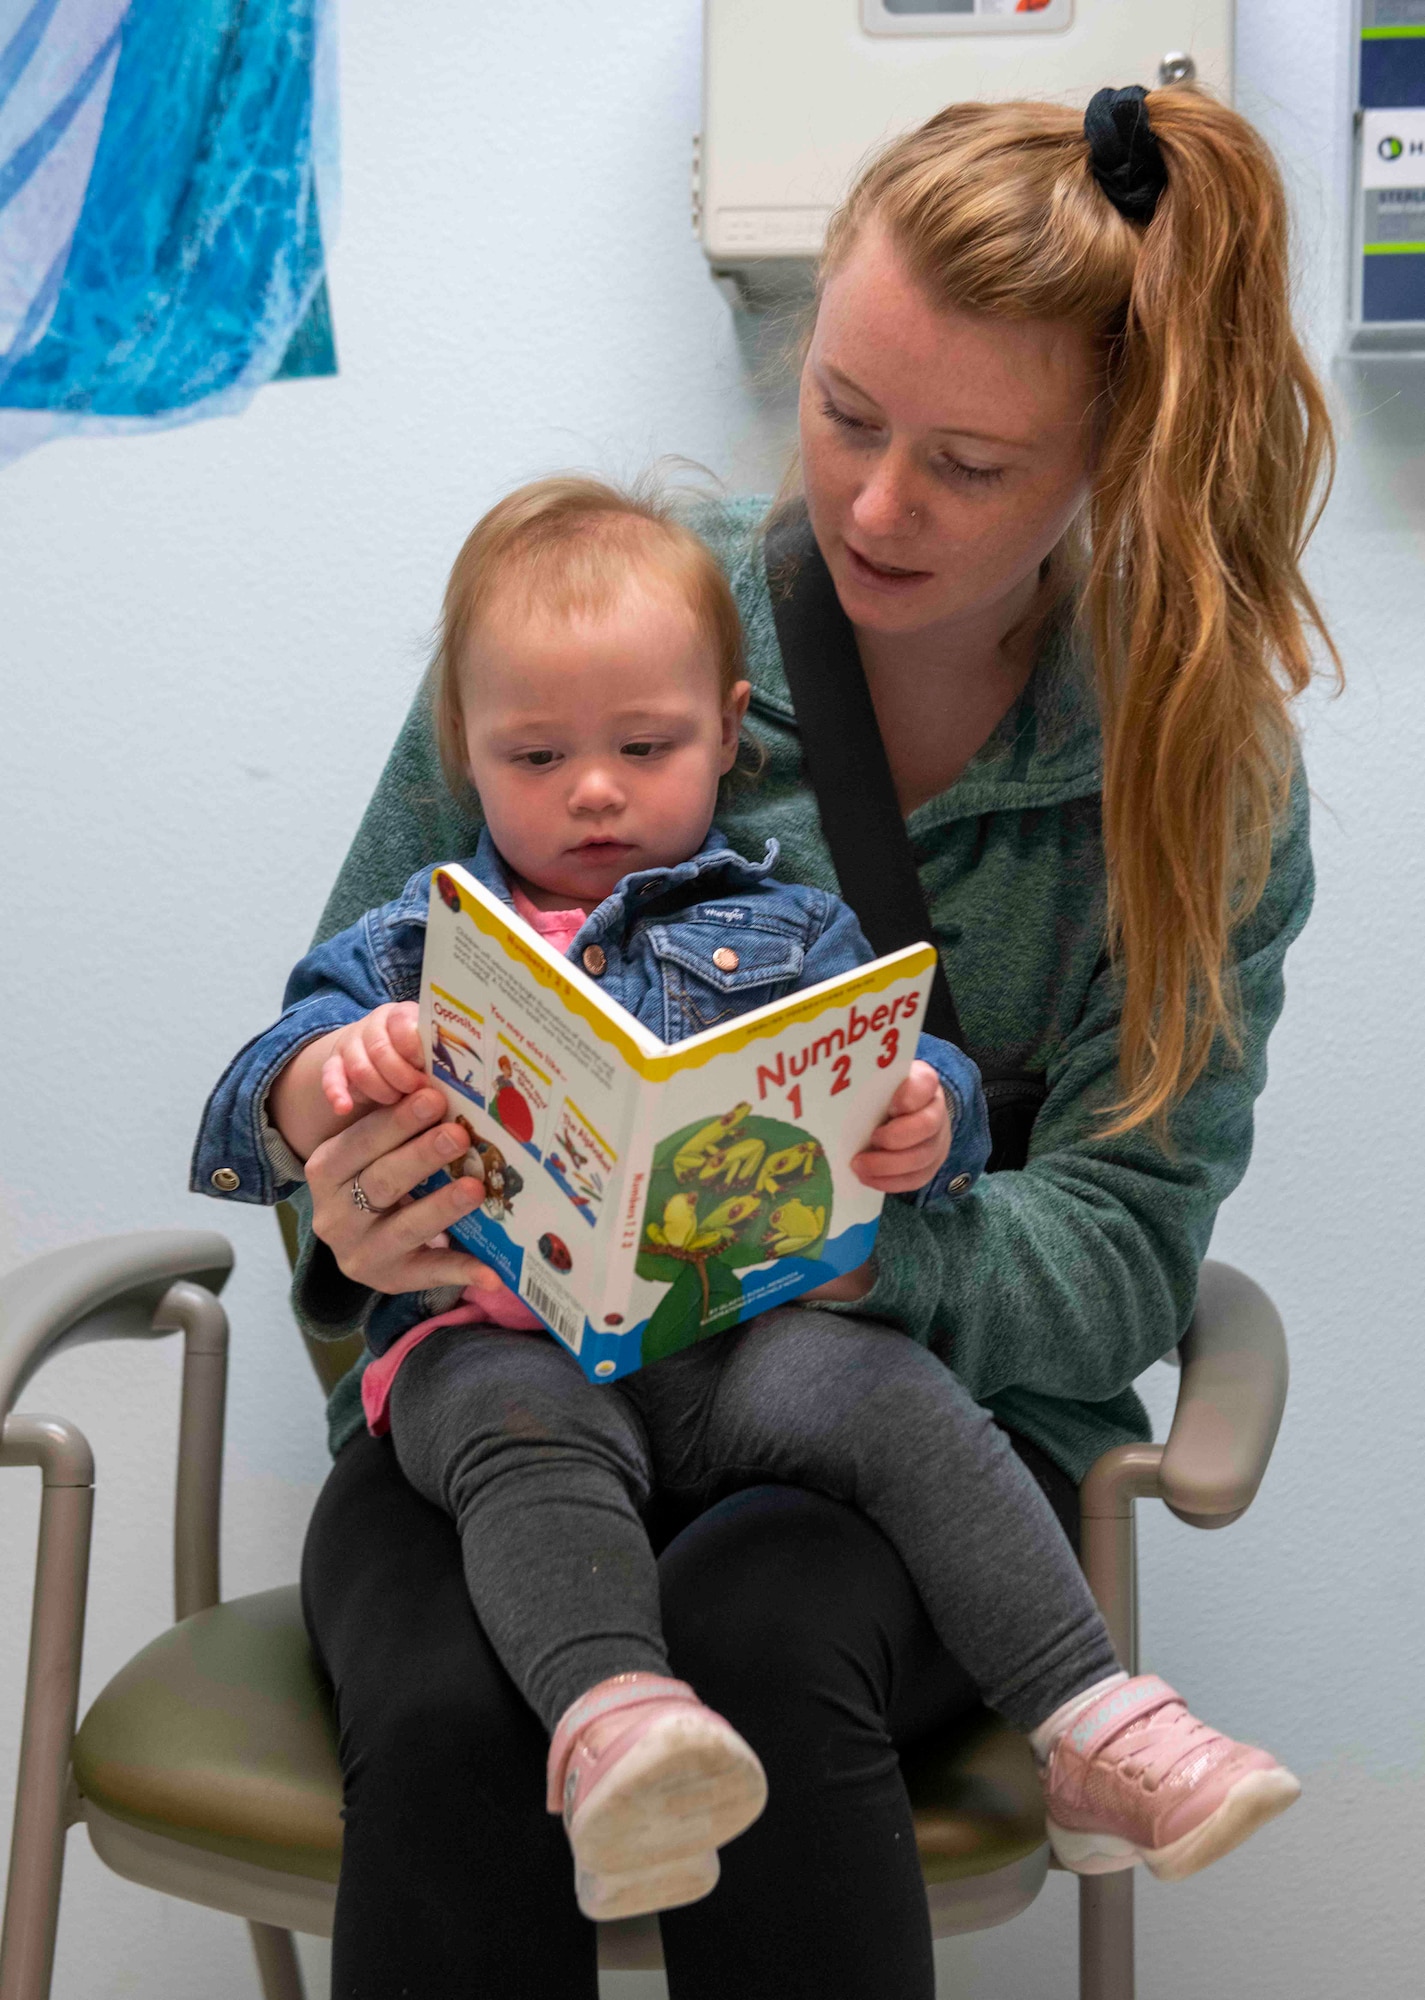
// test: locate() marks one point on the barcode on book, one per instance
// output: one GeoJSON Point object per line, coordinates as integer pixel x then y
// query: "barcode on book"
{"type": "Point", "coordinates": [560, 1310]}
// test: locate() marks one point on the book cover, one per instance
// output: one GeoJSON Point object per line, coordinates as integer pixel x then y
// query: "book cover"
{"type": "Point", "coordinates": [641, 1196]}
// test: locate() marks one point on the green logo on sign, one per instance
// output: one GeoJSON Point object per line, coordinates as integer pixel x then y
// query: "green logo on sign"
{"type": "Point", "coordinates": [1391, 149]}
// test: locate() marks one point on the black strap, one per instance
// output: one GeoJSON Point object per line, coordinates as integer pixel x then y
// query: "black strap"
{"type": "Point", "coordinates": [861, 819]}
{"type": "Point", "coordinates": [846, 759]}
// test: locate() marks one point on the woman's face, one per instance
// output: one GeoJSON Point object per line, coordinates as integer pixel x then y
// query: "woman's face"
{"type": "Point", "coordinates": [944, 454]}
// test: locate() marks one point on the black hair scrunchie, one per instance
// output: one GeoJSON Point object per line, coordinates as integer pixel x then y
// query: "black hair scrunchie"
{"type": "Point", "coordinates": [1123, 153]}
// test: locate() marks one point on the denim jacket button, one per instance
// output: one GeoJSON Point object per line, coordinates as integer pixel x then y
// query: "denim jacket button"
{"type": "Point", "coordinates": [960, 1183]}
{"type": "Point", "coordinates": [725, 959]}
{"type": "Point", "coordinates": [226, 1180]}
{"type": "Point", "coordinates": [594, 959]}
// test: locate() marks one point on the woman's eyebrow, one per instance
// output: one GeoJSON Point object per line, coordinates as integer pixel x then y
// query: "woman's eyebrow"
{"type": "Point", "coordinates": [938, 430]}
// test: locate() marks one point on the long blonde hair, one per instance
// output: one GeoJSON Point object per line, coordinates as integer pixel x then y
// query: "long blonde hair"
{"type": "Point", "coordinates": [1212, 442]}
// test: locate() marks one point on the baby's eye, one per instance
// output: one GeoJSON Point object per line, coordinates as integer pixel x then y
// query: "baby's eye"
{"type": "Point", "coordinates": [642, 747]}
{"type": "Point", "coordinates": [537, 760]}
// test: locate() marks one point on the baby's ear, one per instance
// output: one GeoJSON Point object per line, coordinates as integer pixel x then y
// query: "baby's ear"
{"type": "Point", "coordinates": [734, 709]}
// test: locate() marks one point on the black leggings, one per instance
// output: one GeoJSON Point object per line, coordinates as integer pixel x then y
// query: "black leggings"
{"type": "Point", "coordinates": [789, 1613]}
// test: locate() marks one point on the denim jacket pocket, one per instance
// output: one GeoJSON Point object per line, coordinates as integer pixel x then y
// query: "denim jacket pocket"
{"type": "Point", "coordinates": [712, 972]}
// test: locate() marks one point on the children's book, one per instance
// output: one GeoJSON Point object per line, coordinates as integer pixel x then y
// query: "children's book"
{"type": "Point", "coordinates": [641, 1196]}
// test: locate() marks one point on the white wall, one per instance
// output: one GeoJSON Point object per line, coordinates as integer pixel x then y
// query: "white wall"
{"type": "Point", "coordinates": [208, 639]}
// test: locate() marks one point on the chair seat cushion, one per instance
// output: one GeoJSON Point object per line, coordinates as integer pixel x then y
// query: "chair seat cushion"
{"type": "Point", "coordinates": [977, 1799]}
{"type": "Point", "coordinates": [220, 1735]}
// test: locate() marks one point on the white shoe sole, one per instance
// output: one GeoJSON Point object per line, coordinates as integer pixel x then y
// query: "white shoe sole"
{"type": "Point", "coordinates": [1253, 1800]}
{"type": "Point", "coordinates": [685, 1788]}
{"type": "Point", "coordinates": [605, 1897]}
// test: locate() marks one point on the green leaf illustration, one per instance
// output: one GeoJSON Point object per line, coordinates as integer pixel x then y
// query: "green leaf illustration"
{"type": "Point", "coordinates": [724, 1298]}
{"type": "Point", "coordinates": [675, 1322]}
{"type": "Point", "coordinates": [737, 1199]}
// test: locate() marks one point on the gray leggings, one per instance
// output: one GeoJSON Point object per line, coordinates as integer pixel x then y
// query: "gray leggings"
{"type": "Point", "coordinates": [547, 1478]}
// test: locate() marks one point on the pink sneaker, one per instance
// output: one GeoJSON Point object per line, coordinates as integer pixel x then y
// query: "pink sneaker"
{"type": "Point", "coordinates": [1137, 1778]}
{"type": "Point", "coordinates": [648, 1797]}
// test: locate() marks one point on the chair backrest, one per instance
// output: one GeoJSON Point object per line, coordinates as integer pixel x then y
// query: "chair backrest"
{"type": "Point", "coordinates": [330, 1358]}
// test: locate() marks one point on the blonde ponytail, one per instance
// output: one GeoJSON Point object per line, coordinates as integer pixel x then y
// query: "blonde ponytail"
{"type": "Point", "coordinates": [1213, 442]}
{"type": "Point", "coordinates": [1203, 499]}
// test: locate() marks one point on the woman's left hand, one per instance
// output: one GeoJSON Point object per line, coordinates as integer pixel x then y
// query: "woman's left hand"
{"type": "Point", "coordinates": [382, 1241]}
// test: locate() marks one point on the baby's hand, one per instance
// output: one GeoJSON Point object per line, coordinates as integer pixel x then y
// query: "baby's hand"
{"type": "Point", "coordinates": [377, 1060]}
{"type": "Point", "coordinates": [912, 1142]}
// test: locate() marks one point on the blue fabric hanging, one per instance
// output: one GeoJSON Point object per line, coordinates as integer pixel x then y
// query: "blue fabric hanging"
{"type": "Point", "coordinates": [167, 177]}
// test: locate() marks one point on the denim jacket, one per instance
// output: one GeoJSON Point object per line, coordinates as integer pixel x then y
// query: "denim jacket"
{"type": "Point", "coordinates": [658, 932]}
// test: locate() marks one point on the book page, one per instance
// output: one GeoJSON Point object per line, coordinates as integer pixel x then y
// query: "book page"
{"type": "Point", "coordinates": [545, 1097]}
{"type": "Point", "coordinates": [751, 1199]}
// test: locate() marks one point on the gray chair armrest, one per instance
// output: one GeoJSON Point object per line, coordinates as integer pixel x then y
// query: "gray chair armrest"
{"type": "Point", "coordinates": [106, 1289]}
{"type": "Point", "coordinates": [138, 1287]}
{"type": "Point", "coordinates": [1230, 1402]}
{"type": "Point", "coordinates": [121, 1287]}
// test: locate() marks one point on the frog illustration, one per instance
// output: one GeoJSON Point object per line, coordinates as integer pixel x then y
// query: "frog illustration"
{"type": "Point", "coordinates": [795, 1227]}
{"type": "Point", "coordinates": [731, 1164]}
{"type": "Point", "coordinates": [689, 1158]}
{"type": "Point", "coordinates": [800, 1158]}
{"type": "Point", "coordinates": [731, 1214]}
{"type": "Point", "coordinates": [684, 1234]}
{"type": "Point", "coordinates": [679, 1225]}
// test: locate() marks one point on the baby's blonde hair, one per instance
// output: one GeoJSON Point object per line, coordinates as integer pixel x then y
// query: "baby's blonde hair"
{"type": "Point", "coordinates": [569, 545]}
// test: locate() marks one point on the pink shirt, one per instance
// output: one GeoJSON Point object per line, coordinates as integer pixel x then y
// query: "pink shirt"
{"type": "Point", "coordinates": [558, 928]}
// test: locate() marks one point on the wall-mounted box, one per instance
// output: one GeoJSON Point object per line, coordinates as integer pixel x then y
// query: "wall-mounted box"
{"type": "Point", "coordinates": [1387, 290]}
{"type": "Point", "coordinates": [798, 93]}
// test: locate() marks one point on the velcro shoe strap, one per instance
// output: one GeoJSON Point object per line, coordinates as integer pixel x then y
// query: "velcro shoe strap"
{"type": "Point", "coordinates": [623, 1691]}
{"type": "Point", "coordinates": [1122, 1705]}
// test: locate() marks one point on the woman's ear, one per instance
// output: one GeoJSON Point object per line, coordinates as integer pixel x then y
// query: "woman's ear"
{"type": "Point", "coordinates": [734, 708]}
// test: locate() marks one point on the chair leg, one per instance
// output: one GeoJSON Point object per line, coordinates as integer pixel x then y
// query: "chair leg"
{"type": "Point", "coordinates": [1121, 1476]}
{"type": "Point", "coordinates": [51, 1697]}
{"type": "Point", "coordinates": [277, 1965]}
{"type": "Point", "coordinates": [1106, 1936]}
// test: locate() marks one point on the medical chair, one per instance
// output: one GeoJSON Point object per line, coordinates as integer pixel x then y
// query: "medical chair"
{"type": "Point", "coordinates": [207, 1767]}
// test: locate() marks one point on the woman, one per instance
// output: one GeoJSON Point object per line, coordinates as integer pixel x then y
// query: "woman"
{"type": "Point", "coordinates": [1034, 337]}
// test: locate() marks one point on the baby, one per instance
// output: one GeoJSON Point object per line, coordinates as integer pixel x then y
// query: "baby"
{"type": "Point", "coordinates": [589, 688]}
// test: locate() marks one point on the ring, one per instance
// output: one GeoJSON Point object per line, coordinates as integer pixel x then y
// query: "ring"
{"type": "Point", "coordinates": [359, 1196]}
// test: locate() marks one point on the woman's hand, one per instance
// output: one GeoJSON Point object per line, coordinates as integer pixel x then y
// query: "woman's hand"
{"type": "Point", "coordinates": [912, 1142]}
{"type": "Point", "coordinates": [389, 1246]}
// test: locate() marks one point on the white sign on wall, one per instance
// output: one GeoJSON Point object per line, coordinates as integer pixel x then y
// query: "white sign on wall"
{"type": "Point", "coordinates": [1393, 149]}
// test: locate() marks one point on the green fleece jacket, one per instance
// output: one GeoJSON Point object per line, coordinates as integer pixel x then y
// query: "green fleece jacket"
{"type": "Point", "coordinates": [1049, 1290]}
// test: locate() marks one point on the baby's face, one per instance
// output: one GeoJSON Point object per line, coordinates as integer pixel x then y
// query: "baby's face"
{"type": "Point", "coordinates": [596, 744]}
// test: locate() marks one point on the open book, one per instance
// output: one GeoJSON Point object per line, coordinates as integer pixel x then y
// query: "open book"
{"type": "Point", "coordinates": [638, 1196]}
